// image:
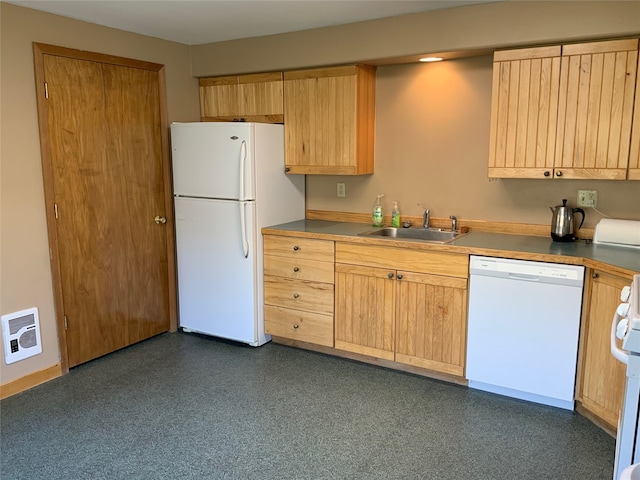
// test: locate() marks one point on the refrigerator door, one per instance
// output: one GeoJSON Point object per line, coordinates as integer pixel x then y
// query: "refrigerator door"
{"type": "Point", "coordinates": [213, 160]}
{"type": "Point", "coordinates": [217, 290]}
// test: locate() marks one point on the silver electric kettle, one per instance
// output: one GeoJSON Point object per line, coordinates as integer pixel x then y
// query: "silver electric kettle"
{"type": "Point", "coordinates": [562, 225]}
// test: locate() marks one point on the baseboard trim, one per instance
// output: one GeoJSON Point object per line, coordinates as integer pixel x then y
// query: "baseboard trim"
{"type": "Point", "coordinates": [29, 381]}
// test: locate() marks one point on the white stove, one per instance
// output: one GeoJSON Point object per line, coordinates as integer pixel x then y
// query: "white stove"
{"type": "Point", "coordinates": [626, 326]}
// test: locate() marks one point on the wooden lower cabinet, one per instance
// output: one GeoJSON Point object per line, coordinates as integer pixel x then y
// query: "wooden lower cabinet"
{"type": "Point", "coordinates": [298, 289]}
{"type": "Point", "coordinates": [365, 310]}
{"type": "Point", "coordinates": [414, 318]}
{"type": "Point", "coordinates": [431, 322]}
{"type": "Point", "coordinates": [602, 377]}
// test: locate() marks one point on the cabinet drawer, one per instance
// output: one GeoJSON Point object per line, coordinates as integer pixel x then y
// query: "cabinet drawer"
{"type": "Point", "coordinates": [421, 261]}
{"type": "Point", "coordinates": [298, 294]}
{"type": "Point", "coordinates": [299, 247]}
{"type": "Point", "coordinates": [299, 268]}
{"type": "Point", "coordinates": [297, 325]}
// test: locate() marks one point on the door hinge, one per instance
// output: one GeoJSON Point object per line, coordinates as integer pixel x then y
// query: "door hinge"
{"type": "Point", "coordinates": [65, 322]}
{"type": "Point", "coordinates": [55, 210]}
{"type": "Point", "coordinates": [46, 90]}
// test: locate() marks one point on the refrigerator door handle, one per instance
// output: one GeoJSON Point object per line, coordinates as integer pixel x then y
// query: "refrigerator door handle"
{"type": "Point", "coordinates": [243, 227]}
{"type": "Point", "coordinates": [243, 160]}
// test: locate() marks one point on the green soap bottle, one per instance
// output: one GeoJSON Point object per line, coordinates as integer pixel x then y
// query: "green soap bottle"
{"type": "Point", "coordinates": [377, 214]}
{"type": "Point", "coordinates": [395, 216]}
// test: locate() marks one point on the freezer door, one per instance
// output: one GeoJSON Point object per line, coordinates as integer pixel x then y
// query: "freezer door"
{"type": "Point", "coordinates": [216, 281]}
{"type": "Point", "coordinates": [213, 160]}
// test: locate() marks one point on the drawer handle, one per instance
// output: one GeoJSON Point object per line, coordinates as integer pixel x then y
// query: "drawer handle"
{"type": "Point", "coordinates": [399, 276]}
{"type": "Point", "coordinates": [295, 295]}
{"type": "Point", "coordinates": [296, 269]}
{"type": "Point", "coordinates": [296, 248]}
{"type": "Point", "coordinates": [390, 275]}
{"type": "Point", "coordinates": [295, 325]}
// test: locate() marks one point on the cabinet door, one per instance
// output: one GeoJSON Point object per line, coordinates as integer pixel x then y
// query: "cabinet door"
{"type": "Point", "coordinates": [524, 106]}
{"type": "Point", "coordinates": [634, 152]}
{"type": "Point", "coordinates": [365, 310]}
{"type": "Point", "coordinates": [219, 97]}
{"type": "Point", "coordinates": [603, 377]}
{"type": "Point", "coordinates": [329, 120]}
{"type": "Point", "coordinates": [597, 85]}
{"type": "Point", "coordinates": [260, 95]}
{"type": "Point", "coordinates": [431, 322]}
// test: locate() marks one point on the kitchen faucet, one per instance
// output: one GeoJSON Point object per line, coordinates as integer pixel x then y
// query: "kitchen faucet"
{"type": "Point", "coordinates": [425, 218]}
{"type": "Point", "coordinates": [454, 223]}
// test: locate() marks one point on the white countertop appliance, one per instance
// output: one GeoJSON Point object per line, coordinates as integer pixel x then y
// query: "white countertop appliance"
{"type": "Point", "coordinates": [626, 326]}
{"type": "Point", "coordinates": [524, 322]}
{"type": "Point", "coordinates": [228, 182]}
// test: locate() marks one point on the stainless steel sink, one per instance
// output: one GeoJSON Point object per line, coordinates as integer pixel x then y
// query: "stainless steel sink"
{"type": "Point", "coordinates": [431, 235]}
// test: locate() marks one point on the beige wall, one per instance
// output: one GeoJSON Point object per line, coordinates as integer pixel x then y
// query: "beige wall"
{"type": "Point", "coordinates": [472, 27]}
{"type": "Point", "coordinates": [432, 144]}
{"type": "Point", "coordinates": [25, 274]}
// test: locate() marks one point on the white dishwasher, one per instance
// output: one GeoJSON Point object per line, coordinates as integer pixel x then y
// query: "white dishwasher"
{"type": "Point", "coordinates": [524, 322]}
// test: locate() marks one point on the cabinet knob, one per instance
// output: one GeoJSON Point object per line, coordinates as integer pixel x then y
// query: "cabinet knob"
{"type": "Point", "coordinates": [390, 275]}
{"type": "Point", "coordinates": [547, 173]}
{"type": "Point", "coordinates": [296, 269]}
{"type": "Point", "coordinates": [558, 174]}
{"type": "Point", "coordinates": [287, 169]}
{"type": "Point", "coordinates": [295, 295]}
{"type": "Point", "coordinates": [295, 325]}
{"type": "Point", "coordinates": [296, 248]}
{"type": "Point", "coordinates": [595, 275]}
{"type": "Point", "coordinates": [399, 276]}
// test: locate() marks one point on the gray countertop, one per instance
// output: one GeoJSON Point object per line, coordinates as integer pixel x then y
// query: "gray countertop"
{"type": "Point", "coordinates": [483, 243]}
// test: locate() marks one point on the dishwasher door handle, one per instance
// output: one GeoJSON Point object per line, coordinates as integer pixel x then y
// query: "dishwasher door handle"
{"type": "Point", "coordinates": [524, 276]}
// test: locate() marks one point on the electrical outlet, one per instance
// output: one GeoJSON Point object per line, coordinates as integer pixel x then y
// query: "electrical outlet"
{"type": "Point", "coordinates": [588, 198]}
{"type": "Point", "coordinates": [341, 190]}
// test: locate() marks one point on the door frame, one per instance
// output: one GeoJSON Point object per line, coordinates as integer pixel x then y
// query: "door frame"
{"type": "Point", "coordinates": [39, 50]}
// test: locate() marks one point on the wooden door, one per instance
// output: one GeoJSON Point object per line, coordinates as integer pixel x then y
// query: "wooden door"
{"type": "Point", "coordinates": [431, 322]}
{"type": "Point", "coordinates": [597, 87]}
{"type": "Point", "coordinates": [365, 310]}
{"type": "Point", "coordinates": [524, 103]}
{"type": "Point", "coordinates": [603, 377]}
{"type": "Point", "coordinates": [105, 163]}
{"type": "Point", "coordinates": [260, 97]}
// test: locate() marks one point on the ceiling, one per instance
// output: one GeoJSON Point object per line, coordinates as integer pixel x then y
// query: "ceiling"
{"type": "Point", "coordinates": [194, 22]}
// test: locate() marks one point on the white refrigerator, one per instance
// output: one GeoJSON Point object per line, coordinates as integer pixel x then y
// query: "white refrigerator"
{"type": "Point", "coordinates": [228, 183]}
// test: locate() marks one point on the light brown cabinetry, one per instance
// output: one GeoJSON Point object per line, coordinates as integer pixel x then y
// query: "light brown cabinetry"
{"type": "Point", "coordinates": [298, 289]}
{"type": "Point", "coordinates": [329, 120]}
{"type": "Point", "coordinates": [402, 305]}
{"type": "Point", "coordinates": [602, 377]}
{"type": "Point", "coordinates": [250, 98]}
{"type": "Point", "coordinates": [563, 111]}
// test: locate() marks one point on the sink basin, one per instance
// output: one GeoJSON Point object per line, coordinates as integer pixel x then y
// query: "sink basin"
{"type": "Point", "coordinates": [432, 235]}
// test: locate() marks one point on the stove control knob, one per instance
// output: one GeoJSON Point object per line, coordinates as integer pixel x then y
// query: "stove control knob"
{"type": "Point", "coordinates": [625, 295]}
{"type": "Point", "coordinates": [621, 329]}
{"type": "Point", "coordinates": [623, 310]}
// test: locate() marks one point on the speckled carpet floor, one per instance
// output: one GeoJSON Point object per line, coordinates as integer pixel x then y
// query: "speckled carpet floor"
{"type": "Point", "coordinates": [182, 406]}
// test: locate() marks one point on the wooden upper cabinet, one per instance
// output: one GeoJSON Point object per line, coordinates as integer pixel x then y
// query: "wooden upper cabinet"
{"type": "Point", "coordinates": [634, 152]}
{"type": "Point", "coordinates": [250, 98]}
{"type": "Point", "coordinates": [524, 107]}
{"type": "Point", "coordinates": [597, 85]}
{"type": "Point", "coordinates": [563, 111]}
{"type": "Point", "coordinates": [329, 120]}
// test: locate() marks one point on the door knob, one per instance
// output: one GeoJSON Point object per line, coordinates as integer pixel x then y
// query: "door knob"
{"type": "Point", "coordinates": [160, 220]}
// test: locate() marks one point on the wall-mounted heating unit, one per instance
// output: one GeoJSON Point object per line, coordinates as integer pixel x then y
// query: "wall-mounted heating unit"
{"type": "Point", "coordinates": [21, 335]}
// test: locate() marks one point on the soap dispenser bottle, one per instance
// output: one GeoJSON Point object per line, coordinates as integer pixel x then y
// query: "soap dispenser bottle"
{"type": "Point", "coordinates": [395, 216]}
{"type": "Point", "coordinates": [377, 214]}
